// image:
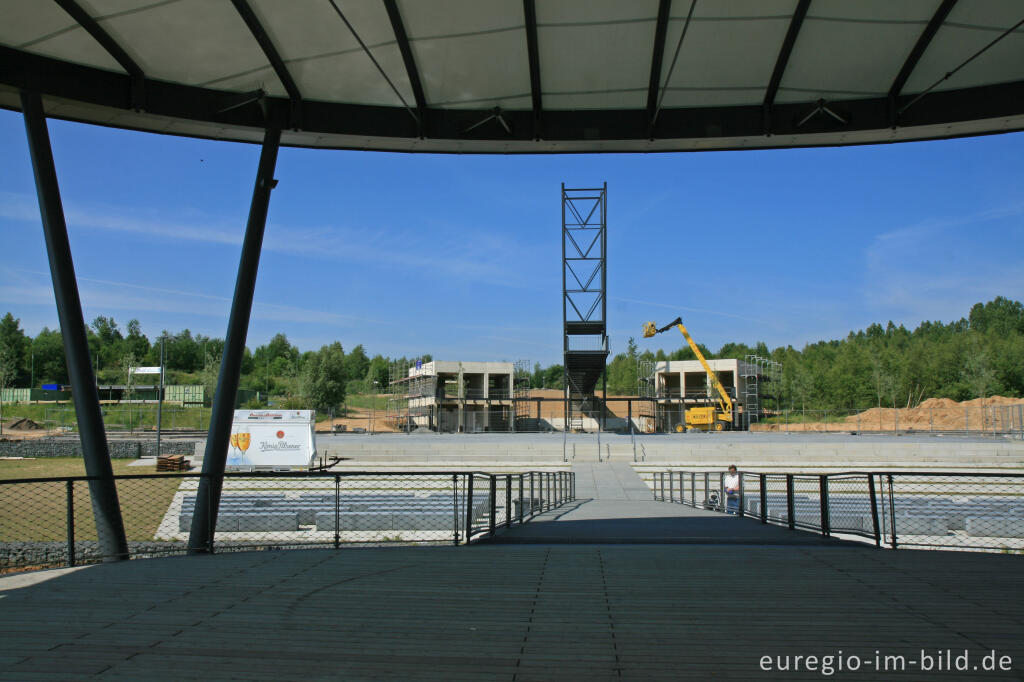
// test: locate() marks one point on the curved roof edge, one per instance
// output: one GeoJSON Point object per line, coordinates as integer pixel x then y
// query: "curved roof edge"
{"type": "Point", "coordinates": [91, 95]}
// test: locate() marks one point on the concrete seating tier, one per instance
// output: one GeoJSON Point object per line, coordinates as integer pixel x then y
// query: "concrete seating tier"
{"type": "Point", "coordinates": [923, 515]}
{"type": "Point", "coordinates": [270, 512]}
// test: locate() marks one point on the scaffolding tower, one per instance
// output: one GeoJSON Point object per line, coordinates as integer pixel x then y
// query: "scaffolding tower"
{"type": "Point", "coordinates": [759, 374]}
{"type": "Point", "coordinates": [584, 304]}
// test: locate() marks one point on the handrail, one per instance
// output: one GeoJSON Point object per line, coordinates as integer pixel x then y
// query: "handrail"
{"type": "Point", "coordinates": [980, 511]}
{"type": "Point", "coordinates": [39, 527]}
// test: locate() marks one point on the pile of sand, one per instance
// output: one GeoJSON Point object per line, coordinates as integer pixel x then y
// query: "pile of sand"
{"type": "Point", "coordinates": [934, 414]}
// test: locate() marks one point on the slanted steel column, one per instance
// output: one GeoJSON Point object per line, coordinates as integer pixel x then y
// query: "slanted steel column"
{"type": "Point", "coordinates": [102, 490]}
{"type": "Point", "coordinates": [204, 518]}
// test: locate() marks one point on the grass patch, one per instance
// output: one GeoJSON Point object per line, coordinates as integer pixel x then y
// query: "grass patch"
{"type": "Point", "coordinates": [38, 511]}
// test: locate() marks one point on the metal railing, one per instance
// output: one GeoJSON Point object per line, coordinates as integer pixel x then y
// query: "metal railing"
{"type": "Point", "coordinates": [48, 522]}
{"type": "Point", "coordinates": [941, 510]}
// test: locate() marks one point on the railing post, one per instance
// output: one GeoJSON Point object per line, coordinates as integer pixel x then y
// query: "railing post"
{"type": "Point", "coordinates": [826, 522]}
{"type": "Point", "coordinates": [743, 499]}
{"type": "Point", "coordinates": [707, 488]}
{"type": "Point", "coordinates": [469, 505]}
{"type": "Point", "coordinates": [533, 496]}
{"type": "Point", "coordinates": [494, 495]}
{"type": "Point", "coordinates": [693, 489]}
{"type": "Point", "coordinates": [508, 500]}
{"type": "Point", "coordinates": [682, 488]}
{"type": "Point", "coordinates": [892, 511]}
{"type": "Point", "coordinates": [661, 485]}
{"type": "Point", "coordinates": [337, 511]}
{"type": "Point", "coordinates": [790, 507]}
{"type": "Point", "coordinates": [455, 509]}
{"type": "Point", "coordinates": [763, 481]}
{"type": "Point", "coordinates": [520, 498]}
{"type": "Point", "coordinates": [71, 522]}
{"type": "Point", "coordinates": [874, 510]}
{"type": "Point", "coordinates": [671, 488]}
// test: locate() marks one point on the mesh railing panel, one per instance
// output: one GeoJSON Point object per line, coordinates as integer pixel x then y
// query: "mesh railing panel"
{"type": "Point", "coordinates": [936, 510]}
{"type": "Point", "coordinates": [955, 511]}
{"type": "Point", "coordinates": [50, 522]}
{"type": "Point", "coordinates": [849, 498]}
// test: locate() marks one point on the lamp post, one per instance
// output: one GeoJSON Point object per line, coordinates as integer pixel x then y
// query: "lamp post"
{"type": "Point", "coordinates": [373, 407]}
{"type": "Point", "coordinates": [160, 396]}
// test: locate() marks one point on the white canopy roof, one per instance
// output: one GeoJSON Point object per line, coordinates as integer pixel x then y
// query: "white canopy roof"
{"type": "Point", "coordinates": [524, 75]}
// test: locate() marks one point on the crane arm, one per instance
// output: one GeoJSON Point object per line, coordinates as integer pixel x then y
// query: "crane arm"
{"type": "Point", "coordinates": [724, 401]}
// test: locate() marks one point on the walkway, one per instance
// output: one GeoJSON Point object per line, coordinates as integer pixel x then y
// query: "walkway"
{"type": "Point", "coordinates": [614, 506]}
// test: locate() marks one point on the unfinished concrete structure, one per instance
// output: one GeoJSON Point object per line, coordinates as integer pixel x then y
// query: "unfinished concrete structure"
{"type": "Point", "coordinates": [676, 385]}
{"type": "Point", "coordinates": [455, 397]}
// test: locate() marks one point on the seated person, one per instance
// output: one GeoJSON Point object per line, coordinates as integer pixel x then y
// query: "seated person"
{"type": "Point", "coordinates": [732, 490]}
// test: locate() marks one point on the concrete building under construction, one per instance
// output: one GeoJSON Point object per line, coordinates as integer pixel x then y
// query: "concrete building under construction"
{"type": "Point", "coordinates": [673, 386]}
{"type": "Point", "coordinates": [454, 397]}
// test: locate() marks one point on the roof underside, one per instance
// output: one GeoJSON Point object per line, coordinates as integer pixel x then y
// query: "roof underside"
{"type": "Point", "coordinates": [524, 75]}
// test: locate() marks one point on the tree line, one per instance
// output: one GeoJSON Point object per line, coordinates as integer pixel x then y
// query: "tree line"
{"type": "Point", "coordinates": [976, 356]}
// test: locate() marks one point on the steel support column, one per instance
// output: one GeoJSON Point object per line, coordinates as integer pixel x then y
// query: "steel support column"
{"type": "Point", "coordinates": [204, 518]}
{"type": "Point", "coordinates": [102, 490]}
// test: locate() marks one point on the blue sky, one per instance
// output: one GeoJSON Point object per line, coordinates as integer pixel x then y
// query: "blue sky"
{"type": "Point", "coordinates": [459, 256]}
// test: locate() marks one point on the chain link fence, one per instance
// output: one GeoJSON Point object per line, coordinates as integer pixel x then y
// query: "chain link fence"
{"type": "Point", "coordinates": [981, 512]}
{"type": "Point", "coordinates": [49, 522]}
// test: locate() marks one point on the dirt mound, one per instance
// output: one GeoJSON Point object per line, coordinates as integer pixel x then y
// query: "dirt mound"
{"type": "Point", "coordinates": [934, 414]}
{"type": "Point", "coordinates": [23, 424]}
{"type": "Point", "coordinates": [933, 403]}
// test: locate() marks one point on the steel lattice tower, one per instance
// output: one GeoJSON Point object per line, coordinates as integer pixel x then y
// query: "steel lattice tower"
{"type": "Point", "coordinates": [584, 303]}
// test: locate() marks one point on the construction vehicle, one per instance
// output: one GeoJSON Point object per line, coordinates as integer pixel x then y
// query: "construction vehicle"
{"type": "Point", "coordinates": [717, 417]}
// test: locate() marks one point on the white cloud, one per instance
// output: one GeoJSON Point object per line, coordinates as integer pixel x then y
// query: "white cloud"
{"type": "Point", "coordinates": [441, 251]}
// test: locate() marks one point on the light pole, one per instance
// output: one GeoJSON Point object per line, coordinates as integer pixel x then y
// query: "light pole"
{"type": "Point", "coordinates": [373, 407]}
{"type": "Point", "coordinates": [160, 396]}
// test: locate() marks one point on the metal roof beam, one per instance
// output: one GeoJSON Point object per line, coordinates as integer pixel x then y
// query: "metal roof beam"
{"type": "Point", "coordinates": [274, 57]}
{"type": "Point", "coordinates": [410, 61]}
{"type": "Point", "coordinates": [915, 56]}
{"type": "Point", "coordinates": [107, 42]}
{"type": "Point", "coordinates": [530, 14]}
{"type": "Point", "coordinates": [780, 64]}
{"type": "Point", "coordinates": [660, 34]}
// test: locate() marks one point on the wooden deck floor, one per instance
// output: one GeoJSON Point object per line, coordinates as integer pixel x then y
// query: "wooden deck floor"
{"type": "Point", "coordinates": [513, 612]}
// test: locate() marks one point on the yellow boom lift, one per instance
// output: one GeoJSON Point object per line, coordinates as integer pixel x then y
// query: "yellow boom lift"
{"type": "Point", "coordinates": [714, 417]}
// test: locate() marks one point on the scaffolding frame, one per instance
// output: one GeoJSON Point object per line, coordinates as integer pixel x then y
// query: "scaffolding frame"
{"type": "Point", "coordinates": [758, 371]}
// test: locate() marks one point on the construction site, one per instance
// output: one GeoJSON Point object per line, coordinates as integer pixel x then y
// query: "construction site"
{"type": "Point", "coordinates": [468, 396]}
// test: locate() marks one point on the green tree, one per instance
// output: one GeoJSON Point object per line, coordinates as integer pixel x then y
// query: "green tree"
{"type": "Point", "coordinates": [15, 348]}
{"type": "Point", "coordinates": [323, 379]}
{"type": "Point", "coordinates": [49, 362]}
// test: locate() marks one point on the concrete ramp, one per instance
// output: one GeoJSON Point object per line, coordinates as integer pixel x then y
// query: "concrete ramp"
{"type": "Point", "coordinates": [609, 481]}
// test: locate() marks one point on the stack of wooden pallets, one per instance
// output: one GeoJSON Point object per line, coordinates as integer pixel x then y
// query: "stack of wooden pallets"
{"type": "Point", "coordinates": [172, 463]}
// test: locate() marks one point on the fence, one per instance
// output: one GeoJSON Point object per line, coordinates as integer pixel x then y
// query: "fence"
{"type": "Point", "coordinates": [49, 522]}
{"type": "Point", "coordinates": [123, 417]}
{"type": "Point", "coordinates": [894, 509]}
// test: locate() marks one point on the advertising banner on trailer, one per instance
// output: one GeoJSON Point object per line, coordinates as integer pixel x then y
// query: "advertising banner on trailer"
{"type": "Point", "coordinates": [272, 440]}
